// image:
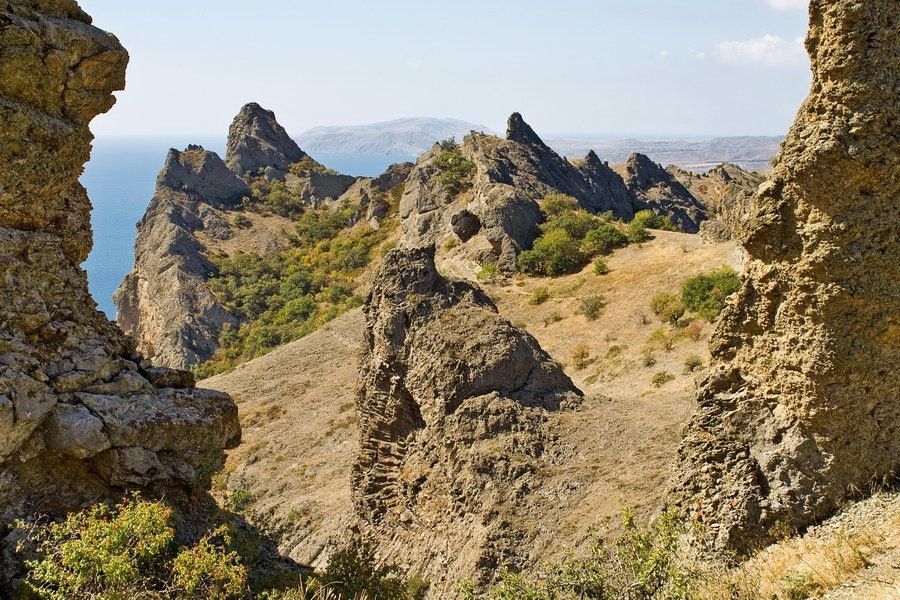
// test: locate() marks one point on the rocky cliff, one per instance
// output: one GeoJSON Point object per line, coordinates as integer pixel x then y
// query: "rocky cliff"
{"type": "Point", "coordinates": [453, 402]}
{"type": "Point", "coordinates": [205, 208]}
{"type": "Point", "coordinates": [799, 408]}
{"type": "Point", "coordinates": [82, 415]}
{"type": "Point", "coordinates": [495, 215]}
{"type": "Point", "coordinates": [259, 145]}
{"type": "Point", "coordinates": [654, 188]}
{"type": "Point", "coordinates": [727, 191]}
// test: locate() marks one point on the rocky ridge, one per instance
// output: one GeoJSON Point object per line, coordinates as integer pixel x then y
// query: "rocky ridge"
{"type": "Point", "coordinates": [497, 216]}
{"type": "Point", "coordinates": [452, 405]}
{"type": "Point", "coordinates": [727, 190]}
{"type": "Point", "coordinates": [799, 407]}
{"type": "Point", "coordinates": [83, 417]}
{"type": "Point", "coordinates": [165, 302]}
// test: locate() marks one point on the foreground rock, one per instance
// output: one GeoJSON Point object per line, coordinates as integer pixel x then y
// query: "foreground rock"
{"type": "Point", "coordinates": [82, 415]}
{"type": "Point", "coordinates": [453, 405]}
{"type": "Point", "coordinates": [800, 407]}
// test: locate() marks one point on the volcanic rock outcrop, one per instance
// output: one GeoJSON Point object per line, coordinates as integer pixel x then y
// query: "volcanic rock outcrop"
{"type": "Point", "coordinates": [654, 188]}
{"type": "Point", "coordinates": [82, 415]}
{"type": "Point", "coordinates": [800, 406]}
{"type": "Point", "coordinates": [727, 191]}
{"type": "Point", "coordinates": [500, 212]}
{"type": "Point", "coordinates": [453, 400]}
{"type": "Point", "coordinates": [259, 145]}
{"type": "Point", "coordinates": [165, 303]}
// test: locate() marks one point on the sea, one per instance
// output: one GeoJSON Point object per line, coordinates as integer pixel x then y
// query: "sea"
{"type": "Point", "coordinates": [120, 179]}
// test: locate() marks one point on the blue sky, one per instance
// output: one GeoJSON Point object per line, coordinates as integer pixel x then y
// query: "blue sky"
{"type": "Point", "coordinates": [614, 67]}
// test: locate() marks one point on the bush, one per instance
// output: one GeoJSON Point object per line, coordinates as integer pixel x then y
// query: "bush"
{"type": "Point", "coordinates": [577, 223]}
{"type": "Point", "coordinates": [694, 331]}
{"type": "Point", "coordinates": [667, 307]}
{"type": "Point", "coordinates": [554, 205]}
{"type": "Point", "coordinates": [592, 305]}
{"type": "Point", "coordinates": [539, 296]}
{"type": "Point", "coordinates": [489, 273]}
{"type": "Point", "coordinates": [706, 294]}
{"type": "Point", "coordinates": [692, 363]}
{"type": "Point", "coordinates": [128, 551]}
{"type": "Point", "coordinates": [661, 378]}
{"type": "Point", "coordinates": [651, 220]}
{"type": "Point", "coordinates": [554, 253]}
{"type": "Point", "coordinates": [241, 221]}
{"type": "Point", "coordinates": [455, 170]}
{"type": "Point", "coordinates": [637, 233]}
{"type": "Point", "coordinates": [352, 573]}
{"type": "Point", "coordinates": [603, 240]}
{"type": "Point", "coordinates": [581, 357]}
{"type": "Point", "coordinates": [641, 564]}
{"type": "Point", "coordinates": [600, 267]}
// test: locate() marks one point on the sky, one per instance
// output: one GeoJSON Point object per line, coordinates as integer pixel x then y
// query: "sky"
{"type": "Point", "coordinates": [658, 68]}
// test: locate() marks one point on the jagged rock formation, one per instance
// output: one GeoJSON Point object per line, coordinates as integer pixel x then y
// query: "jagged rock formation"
{"type": "Point", "coordinates": [259, 145]}
{"type": "Point", "coordinates": [165, 303]}
{"type": "Point", "coordinates": [82, 415]}
{"type": "Point", "coordinates": [800, 405]}
{"type": "Point", "coordinates": [654, 188]}
{"type": "Point", "coordinates": [727, 191]}
{"type": "Point", "coordinates": [499, 216]}
{"type": "Point", "coordinates": [452, 405]}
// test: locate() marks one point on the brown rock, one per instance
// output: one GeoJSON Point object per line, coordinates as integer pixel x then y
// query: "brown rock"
{"type": "Point", "coordinates": [56, 73]}
{"type": "Point", "coordinates": [800, 405]}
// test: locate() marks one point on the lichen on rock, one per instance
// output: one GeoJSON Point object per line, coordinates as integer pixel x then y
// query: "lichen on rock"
{"type": "Point", "coordinates": [799, 409]}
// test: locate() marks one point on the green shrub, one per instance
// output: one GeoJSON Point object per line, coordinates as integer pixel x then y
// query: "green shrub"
{"type": "Point", "coordinates": [352, 573]}
{"type": "Point", "coordinates": [651, 220]}
{"type": "Point", "coordinates": [641, 564]}
{"type": "Point", "coordinates": [661, 378]}
{"type": "Point", "coordinates": [592, 305]}
{"type": "Point", "coordinates": [600, 267]}
{"type": "Point", "coordinates": [554, 253]}
{"type": "Point", "coordinates": [539, 296]}
{"type": "Point", "coordinates": [577, 223]}
{"type": "Point", "coordinates": [706, 294]}
{"type": "Point", "coordinates": [692, 363]}
{"type": "Point", "coordinates": [603, 239]}
{"type": "Point", "coordinates": [128, 551]}
{"type": "Point", "coordinates": [637, 233]}
{"type": "Point", "coordinates": [241, 221]}
{"type": "Point", "coordinates": [239, 499]}
{"type": "Point", "coordinates": [455, 171]}
{"type": "Point", "coordinates": [553, 205]}
{"type": "Point", "coordinates": [489, 273]}
{"type": "Point", "coordinates": [667, 307]}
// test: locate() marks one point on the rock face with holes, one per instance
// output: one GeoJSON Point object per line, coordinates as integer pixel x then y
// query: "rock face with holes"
{"type": "Point", "coordinates": [453, 402]}
{"type": "Point", "coordinates": [800, 405]}
{"type": "Point", "coordinates": [82, 415]}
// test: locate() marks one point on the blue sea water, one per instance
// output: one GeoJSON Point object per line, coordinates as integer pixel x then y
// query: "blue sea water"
{"type": "Point", "coordinates": [120, 179]}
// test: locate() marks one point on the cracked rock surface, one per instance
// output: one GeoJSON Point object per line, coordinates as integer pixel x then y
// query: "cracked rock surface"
{"type": "Point", "coordinates": [82, 415]}
{"type": "Point", "coordinates": [800, 406]}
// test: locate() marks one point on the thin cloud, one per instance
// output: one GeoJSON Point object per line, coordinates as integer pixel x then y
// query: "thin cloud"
{"type": "Point", "coordinates": [768, 50]}
{"type": "Point", "coordinates": [788, 4]}
{"type": "Point", "coordinates": [663, 53]}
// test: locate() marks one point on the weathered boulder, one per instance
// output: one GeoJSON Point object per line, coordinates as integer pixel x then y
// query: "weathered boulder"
{"type": "Point", "coordinates": [259, 145]}
{"type": "Point", "coordinates": [57, 352]}
{"type": "Point", "coordinates": [654, 188]}
{"type": "Point", "coordinates": [453, 401]}
{"type": "Point", "coordinates": [799, 408]}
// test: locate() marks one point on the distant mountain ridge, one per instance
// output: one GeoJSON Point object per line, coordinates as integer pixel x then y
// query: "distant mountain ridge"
{"type": "Point", "coordinates": [411, 136]}
{"type": "Point", "coordinates": [415, 136]}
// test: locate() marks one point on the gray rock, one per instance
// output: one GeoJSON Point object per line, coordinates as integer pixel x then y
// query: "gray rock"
{"type": "Point", "coordinates": [73, 430]}
{"type": "Point", "coordinates": [656, 189]}
{"type": "Point", "coordinates": [257, 143]}
{"type": "Point", "coordinates": [201, 173]}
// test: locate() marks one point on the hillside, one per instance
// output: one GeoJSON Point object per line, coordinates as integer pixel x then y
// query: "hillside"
{"type": "Point", "coordinates": [619, 444]}
{"type": "Point", "coordinates": [410, 136]}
